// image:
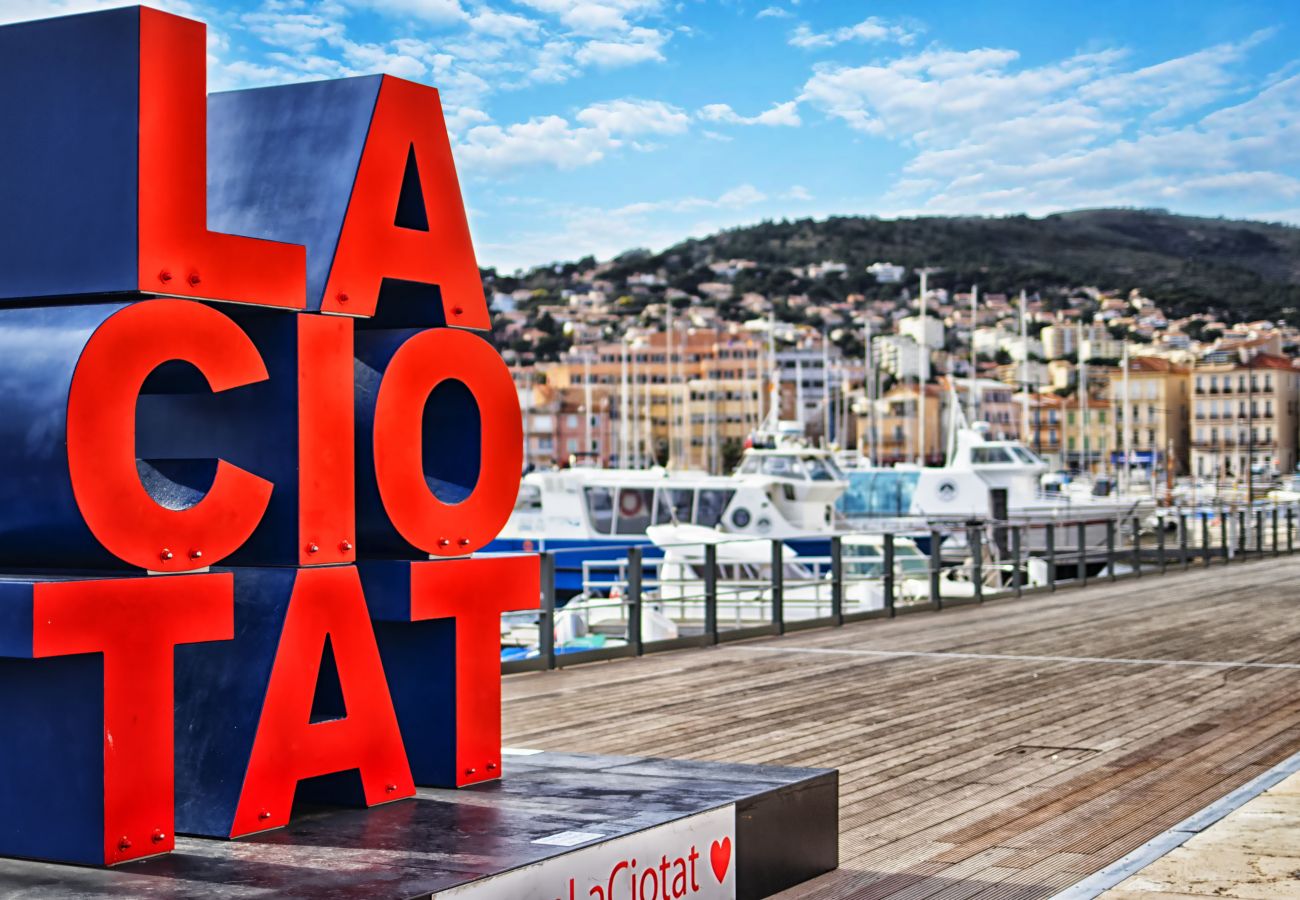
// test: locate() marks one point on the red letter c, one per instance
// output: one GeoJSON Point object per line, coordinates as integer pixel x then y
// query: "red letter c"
{"type": "Point", "coordinates": [112, 368]}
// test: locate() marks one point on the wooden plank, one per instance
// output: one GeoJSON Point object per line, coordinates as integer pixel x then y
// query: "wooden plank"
{"type": "Point", "coordinates": [949, 787]}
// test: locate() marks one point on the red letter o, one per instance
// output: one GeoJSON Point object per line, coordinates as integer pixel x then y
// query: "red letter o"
{"type": "Point", "coordinates": [420, 365]}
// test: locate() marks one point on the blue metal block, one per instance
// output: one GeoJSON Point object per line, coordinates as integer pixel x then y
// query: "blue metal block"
{"type": "Point", "coordinates": [40, 524]}
{"type": "Point", "coordinates": [420, 664]}
{"type": "Point", "coordinates": [281, 161]}
{"type": "Point", "coordinates": [220, 687]}
{"type": "Point", "coordinates": [451, 435]}
{"type": "Point", "coordinates": [51, 745]}
{"type": "Point", "coordinates": [69, 100]}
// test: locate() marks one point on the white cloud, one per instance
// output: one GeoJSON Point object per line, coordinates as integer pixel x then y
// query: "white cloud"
{"type": "Point", "coordinates": [554, 141]}
{"type": "Point", "coordinates": [503, 25]}
{"type": "Point", "coordinates": [797, 192]}
{"type": "Point", "coordinates": [435, 11]}
{"type": "Point", "coordinates": [991, 136]}
{"type": "Point", "coordinates": [773, 12]}
{"type": "Point", "coordinates": [869, 30]}
{"type": "Point", "coordinates": [635, 117]}
{"type": "Point", "coordinates": [640, 45]}
{"type": "Point", "coordinates": [573, 231]}
{"type": "Point", "coordinates": [780, 114]}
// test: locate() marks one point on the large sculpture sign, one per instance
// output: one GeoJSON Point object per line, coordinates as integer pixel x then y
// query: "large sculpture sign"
{"type": "Point", "coordinates": [249, 445]}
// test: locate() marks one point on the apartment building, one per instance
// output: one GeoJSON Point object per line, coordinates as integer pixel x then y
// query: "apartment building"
{"type": "Point", "coordinates": [1159, 405]}
{"type": "Point", "coordinates": [897, 420]}
{"type": "Point", "coordinates": [1244, 417]}
{"type": "Point", "coordinates": [1070, 434]}
{"type": "Point", "coordinates": [675, 403]}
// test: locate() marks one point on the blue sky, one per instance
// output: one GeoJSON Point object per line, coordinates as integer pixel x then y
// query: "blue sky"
{"type": "Point", "coordinates": [594, 126]}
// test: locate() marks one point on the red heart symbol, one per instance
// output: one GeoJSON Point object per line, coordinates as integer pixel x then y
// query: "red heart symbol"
{"type": "Point", "coordinates": [720, 857]}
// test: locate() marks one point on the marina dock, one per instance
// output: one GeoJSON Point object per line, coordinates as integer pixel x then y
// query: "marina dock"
{"type": "Point", "coordinates": [1007, 750]}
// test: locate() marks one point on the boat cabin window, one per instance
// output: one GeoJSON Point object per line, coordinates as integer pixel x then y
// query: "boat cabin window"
{"type": "Point", "coordinates": [530, 497]}
{"type": "Point", "coordinates": [818, 470]}
{"type": "Point", "coordinates": [884, 492]}
{"type": "Point", "coordinates": [868, 560]}
{"type": "Point", "coordinates": [754, 572]}
{"type": "Point", "coordinates": [783, 467]}
{"type": "Point", "coordinates": [712, 505]}
{"type": "Point", "coordinates": [751, 465]}
{"type": "Point", "coordinates": [634, 505]}
{"type": "Point", "coordinates": [600, 509]}
{"type": "Point", "coordinates": [1025, 455]}
{"type": "Point", "coordinates": [863, 560]}
{"type": "Point", "coordinates": [911, 560]}
{"type": "Point", "coordinates": [673, 506]}
{"type": "Point", "coordinates": [987, 455]}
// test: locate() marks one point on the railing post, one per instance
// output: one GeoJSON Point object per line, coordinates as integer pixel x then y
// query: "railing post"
{"type": "Point", "coordinates": [1223, 534]}
{"type": "Point", "coordinates": [634, 601]}
{"type": "Point", "coordinates": [1290, 529]}
{"type": "Point", "coordinates": [1137, 546]}
{"type": "Point", "coordinates": [1182, 539]}
{"type": "Point", "coordinates": [1051, 555]}
{"type": "Point", "coordinates": [778, 586]}
{"type": "Point", "coordinates": [1242, 546]}
{"type": "Point", "coordinates": [1160, 541]}
{"type": "Point", "coordinates": [1018, 581]}
{"type": "Point", "coordinates": [1206, 549]}
{"type": "Point", "coordinates": [837, 580]}
{"type": "Point", "coordinates": [888, 563]}
{"type": "Point", "coordinates": [1276, 550]}
{"type": "Point", "coordinates": [936, 561]}
{"type": "Point", "coordinates": [1259, 532]}
{"type": "Point", "coordinates": [546, 621]}
{"type": "Point", "coordinates": [711, 592]}
{"type": "Point", "coordinates": [1081, 542]}
{"type": "Point", "coordinates": [1110, 548]}
{"type": "Point", "coordinates": [975, 538]}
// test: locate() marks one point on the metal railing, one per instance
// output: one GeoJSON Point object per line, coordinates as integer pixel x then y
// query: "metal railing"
{"type": "Point", "coordinates": [637, 601]}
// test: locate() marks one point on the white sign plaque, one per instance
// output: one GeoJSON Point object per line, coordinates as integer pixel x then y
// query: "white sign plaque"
{"type": "Point", "coordinates": [693, 858]}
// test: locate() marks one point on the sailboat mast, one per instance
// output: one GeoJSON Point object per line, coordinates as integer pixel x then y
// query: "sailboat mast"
{"type": "Point", "coordinates": [922, 372]}
{"type": "Point", "coordinates": [668, 360]}
{"type": "Point", "coordinates": [1024, 369]}
{"type": "Point", "coordinates": [973, 404]}
{"type": "Point", "coordinates": [1128, 429]}
{"type": "Point", "coordinates": [624, 423]}
{"type": "Point", "coordinates": [826, 392]}
{"type": "Point", "coordinates": [586, 399]}
{"type": "Point", "coordinates": [868, 385]}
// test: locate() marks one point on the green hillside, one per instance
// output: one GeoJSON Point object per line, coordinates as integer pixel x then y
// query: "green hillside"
{"type": "Point", "coordinates": [1238, 269]}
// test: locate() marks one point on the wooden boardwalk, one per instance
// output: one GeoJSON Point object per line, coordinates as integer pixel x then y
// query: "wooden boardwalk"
{"type": "Point", "coordinates": [1001, 751]}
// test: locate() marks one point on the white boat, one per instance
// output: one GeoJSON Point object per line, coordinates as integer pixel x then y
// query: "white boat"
{"type": "Point", "coordinates": [745, 576]}
{"type": "Point", "coordinates": [779, 491]}
{"type": "Point", "coordinates": [989, 481]}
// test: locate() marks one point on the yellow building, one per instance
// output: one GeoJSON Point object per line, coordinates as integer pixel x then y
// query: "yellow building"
{"type": "Point", "coordinates": [1244, 415]}
{"type": "Point", "coordinates": [896, 419]}
{"type": "Point", "coordinates": [1070, 434]}
{"type": "Point", "coordinates": [681, 409]}
{"type": "Point", "coordinates": [1159, 403]}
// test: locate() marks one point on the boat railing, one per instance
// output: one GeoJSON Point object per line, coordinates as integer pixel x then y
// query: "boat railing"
{"type": "Point", "coordinates": [642, 599]}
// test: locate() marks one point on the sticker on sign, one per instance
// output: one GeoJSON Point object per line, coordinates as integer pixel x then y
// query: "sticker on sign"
{"type": "Point", "coordinates": [690, 858]}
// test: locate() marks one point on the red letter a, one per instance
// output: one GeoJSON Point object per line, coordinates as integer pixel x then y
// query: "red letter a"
{"type": "Point", "coordinates": [419, 234]}
{"type": "Point", "coordinates": [288, 746]}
